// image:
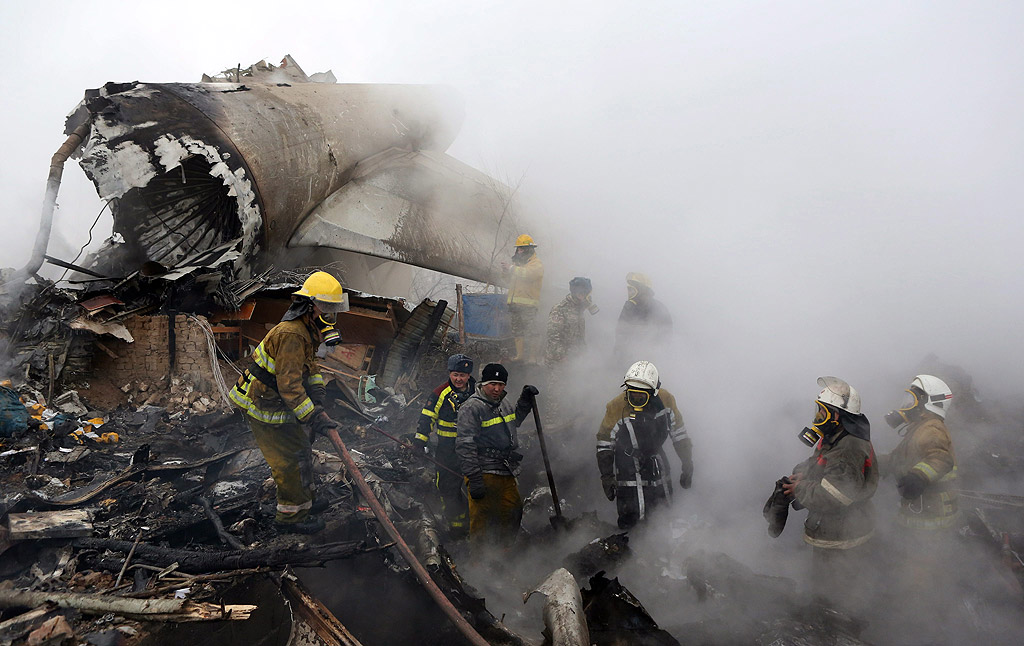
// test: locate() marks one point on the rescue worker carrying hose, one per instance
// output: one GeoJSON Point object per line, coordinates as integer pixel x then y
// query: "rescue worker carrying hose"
{"type": "Point", "coordinates": [630, 453]}
{"type": "Point", "coordinates": [836, 484]}
{"type": "Point", "coordinates": [526, 275]}
{"type": "Point", "coordinates": [488, 449]}
{"type": "Point", "coordinates": [283, 393]}
{"type": "Point", "coordinates": [440, 415]}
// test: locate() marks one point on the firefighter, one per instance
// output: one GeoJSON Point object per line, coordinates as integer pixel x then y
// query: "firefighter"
{"type": "Point", "coordinates": [488, 452]}
{"type": "Point", "coordinates": [282, 396]}
{"type": "Point", "coordinates": [835, 485]}
{"type": "Point", "coordinates": [630, 445]}
{"type": "Point", "coordinates": [526, 275]}
{"type": "Point", "coordinates": [440, 415]}
{"type": "Point", "coordinates": [924, 467]}
{"type": "Point", "coordinates": [644, 322]}
{"type": "Point", "coordinates": [923, 464]}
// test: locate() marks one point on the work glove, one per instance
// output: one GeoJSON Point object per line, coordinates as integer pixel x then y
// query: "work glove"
{"type": "Point", "coordinates": [477, 490]}
{"type": "Point", "coordinates": [529, 391]}
{"type": "Point", "coordinates": [911, 485]}
{"type": "Point", "coordinates": [317, 393]}
{"type": "Point", "coordinates": [686, 476]}
{"type": "Point", "coordinates": [420, 446]}
{"type": "Point", "coordinates": [776, 509]}
{"type": "Point", "coordinates": [608, 484]}
{"type": "Point", "coordinates": [321, 422]}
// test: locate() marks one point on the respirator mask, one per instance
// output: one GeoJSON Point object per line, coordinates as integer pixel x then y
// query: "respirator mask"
{"type": "Point", "coordinates": [325, 322]}
{"type": "Point", "coordinates": [904, 414]}
{"type": "Point", "coordinates": [637, 398]}
{"type": "Point", "coordinates": [823, 417]}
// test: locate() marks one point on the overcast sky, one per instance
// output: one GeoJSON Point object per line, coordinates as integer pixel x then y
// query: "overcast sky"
{"type": "Point", "coordinates": [813, 187]}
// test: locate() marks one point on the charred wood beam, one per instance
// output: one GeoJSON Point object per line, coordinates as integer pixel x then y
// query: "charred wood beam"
{"type": "Point", "coordinates": [222, 533]}
{"type": "Point", "coordinates": [197, 562]}
{"type": "Point", "coordinates": [144, 609]}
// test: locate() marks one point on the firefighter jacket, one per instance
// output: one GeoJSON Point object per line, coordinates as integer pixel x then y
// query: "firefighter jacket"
{"type": "Point", "coordinates": [277, 389]}
{"type": "Point", "coordinates": [836, 486]}
{"type": "Point", "coordinates": [926, 450]}
{"type": "Point", "coordinates": [526, 281]}
{"type": "Point", "coordinates": [487, 441]}
{"type": "Point", "coordinates": [442, 411]}
{"type": "Point", "coordinates": [630, 446]}
{"type": "Point", "coordinates": [566, 330]}
{"type": "Point", "coordinates": [644, 324]}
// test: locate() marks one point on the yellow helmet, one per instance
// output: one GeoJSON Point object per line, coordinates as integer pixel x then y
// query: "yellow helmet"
{"type": "Point", "coordinates": [525, 241]}
{"type": "Point", "coordinates": [325, 290]}
{"type": "Point", "coordinates": [641, 280]}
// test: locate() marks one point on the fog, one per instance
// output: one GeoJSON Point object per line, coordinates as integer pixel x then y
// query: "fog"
{"type": "Point", "coordinates": [814, 188]}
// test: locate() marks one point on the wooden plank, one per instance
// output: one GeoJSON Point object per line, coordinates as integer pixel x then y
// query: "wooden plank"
{"type": "Point", "coordinates": [71, 523]}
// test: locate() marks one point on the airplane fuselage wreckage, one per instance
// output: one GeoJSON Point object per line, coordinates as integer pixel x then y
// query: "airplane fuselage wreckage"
{"type": "Point", "coordinates": [271, 165]}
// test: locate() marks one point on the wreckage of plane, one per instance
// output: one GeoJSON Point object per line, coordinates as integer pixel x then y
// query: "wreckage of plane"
{"type": "Point", "coordinates": [286, 165]}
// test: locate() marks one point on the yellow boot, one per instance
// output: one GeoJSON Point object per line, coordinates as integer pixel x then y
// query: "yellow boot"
{"type": "Point", "coordinates": [520, 344]}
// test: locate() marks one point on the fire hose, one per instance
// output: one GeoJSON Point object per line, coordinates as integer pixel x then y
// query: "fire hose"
{"type": "Point", "coordinates": [442, 601]}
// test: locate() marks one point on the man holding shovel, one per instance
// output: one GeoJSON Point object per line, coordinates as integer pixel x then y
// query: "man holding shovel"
{"type": "Point", "coordinates": [487, 446]}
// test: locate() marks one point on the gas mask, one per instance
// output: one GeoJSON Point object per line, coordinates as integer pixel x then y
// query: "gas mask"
{"type": "Point", "coordinates": [906, 412]}
{"type": "Point", "coordinates": [632, 292]}
{"type": "Point", "coordinates": [325, 322]}
{"type": "Point", "coordinates": [824, 418]}
{"type": "Point", "coordinates": [637, 398]}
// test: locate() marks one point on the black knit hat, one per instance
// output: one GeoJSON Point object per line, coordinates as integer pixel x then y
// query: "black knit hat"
{"type": "Point", "coordinates": [460, 363]}
{"type": "Point", "coordinates": [493, 372]}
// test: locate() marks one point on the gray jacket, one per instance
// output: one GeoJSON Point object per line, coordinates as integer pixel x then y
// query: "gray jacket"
{"type": "Point", "coordinates": [486, 435]}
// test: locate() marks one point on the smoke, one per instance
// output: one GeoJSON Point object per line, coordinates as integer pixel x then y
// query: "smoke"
{"type": "Point", "coordinates": [814, 190]}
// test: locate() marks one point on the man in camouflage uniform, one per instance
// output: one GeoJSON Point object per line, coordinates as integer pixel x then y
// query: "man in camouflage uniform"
{"type": "Point", "coordinates": [567, 331]}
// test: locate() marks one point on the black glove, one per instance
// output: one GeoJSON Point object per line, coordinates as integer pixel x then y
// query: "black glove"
{"type": "Point", "coordinates": [477, 490]}
{"type": "Point", "coordinates": [686, 476]}
{"type": "Point", "coordinates": [911, 485]}
{"type": "Point", "coordinates": [529, 391]}
{"type": "Point", "coordinates": [420, 446]}
{"type": "Point", "coordinates": [321, 422]}
{"type": "Point", "coordinates": [318, 393]}
{"type": "Point", "coordinates": [608, 484]}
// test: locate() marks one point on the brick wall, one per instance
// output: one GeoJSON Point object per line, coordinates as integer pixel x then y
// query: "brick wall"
{"type": "Point", "coordinates": [148, 359]}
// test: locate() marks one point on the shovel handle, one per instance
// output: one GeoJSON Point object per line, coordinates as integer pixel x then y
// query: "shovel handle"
{"type": "Point", "coordinates": [544, 454]}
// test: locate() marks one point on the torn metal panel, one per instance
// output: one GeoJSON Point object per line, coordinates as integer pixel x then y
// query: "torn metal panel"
{"type": "Point", "coordinates": [418, 207]}
{"type": "Point", "coordinates": [564, 621]}
{"type": "Point", "coordinates": [191, 166]}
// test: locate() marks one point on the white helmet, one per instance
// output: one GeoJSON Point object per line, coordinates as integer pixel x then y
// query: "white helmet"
{"type": "Point", "coordinates": [838, 393]}
{"type": "Point", "coordinates": [644, 375]}
{"type": "Point", "coordinates": [938, 395]}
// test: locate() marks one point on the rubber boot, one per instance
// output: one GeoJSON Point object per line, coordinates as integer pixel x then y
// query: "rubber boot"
{"type": "Point", "coordinates": [520, 344]}
{"type": "Point", "coordinates": [311, 525]}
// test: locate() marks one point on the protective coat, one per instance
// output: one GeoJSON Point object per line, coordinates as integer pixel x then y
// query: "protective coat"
{"type": "Point", "coordinates": [286, 357]}
{"type": "Point", "coordinates": [926, 450]}
{"type": "Point", "coordinates": [630, 449]}
{"type": "Point", "coordinates": [440, 416]}
{"type": "Point", "coordinates": [526, 283]}
{"type": "Point", "coordinates": [836, 486]}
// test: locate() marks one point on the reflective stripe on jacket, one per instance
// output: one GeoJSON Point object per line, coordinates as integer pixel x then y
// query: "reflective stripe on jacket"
{"type": "Point", "coordinates": [286, 356]}
{"type": "Point", "coordinates": [632, 448]}
{"type": "Point", "coordinates": [442, 411]}
{"type": "Point", "coordinates": [488, 425]}
{"type": "Point", "coordinates": [836, 487]}
{"type": "Point", "coordinates": [526, 282]}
